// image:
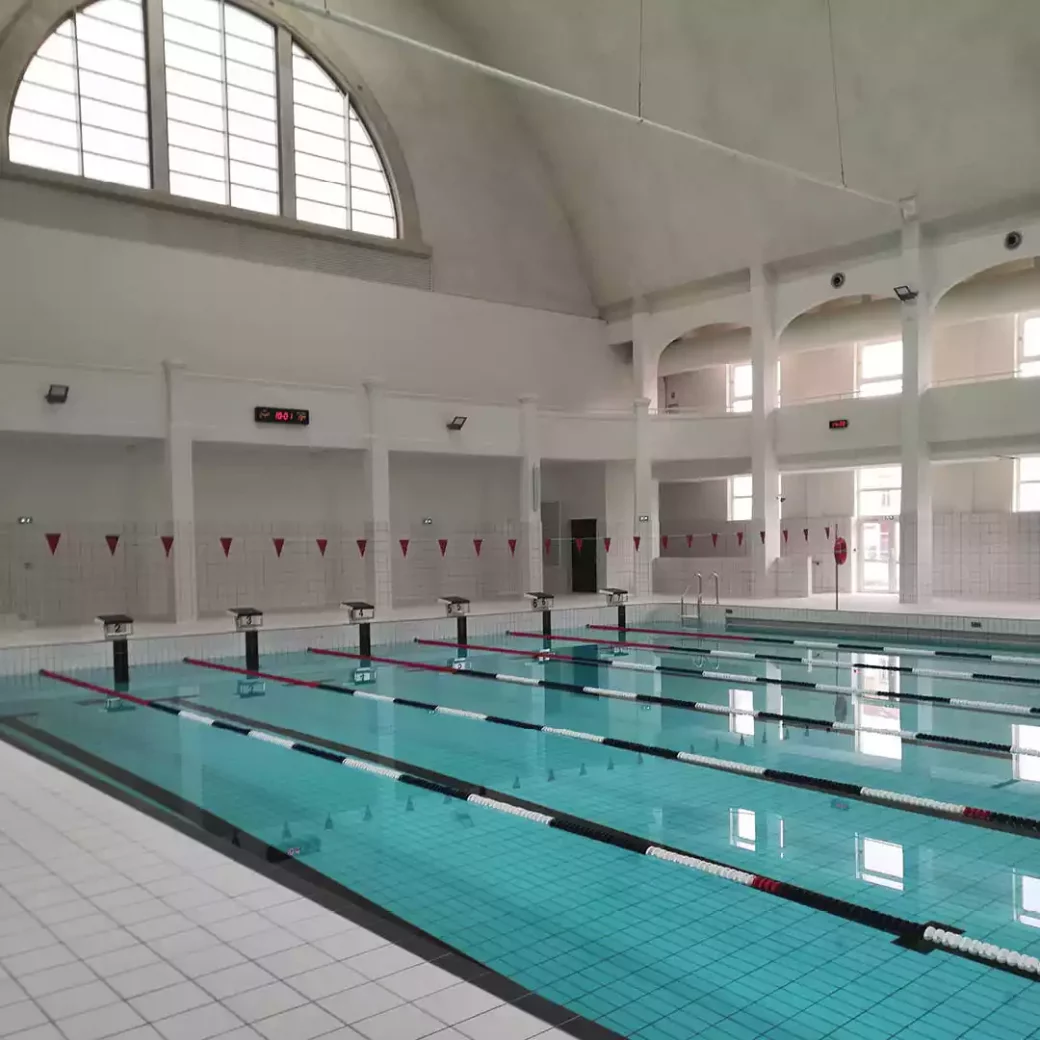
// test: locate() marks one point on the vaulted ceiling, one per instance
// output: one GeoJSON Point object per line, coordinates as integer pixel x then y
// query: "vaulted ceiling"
{"type": "Point", "coordinates": [938, 98]}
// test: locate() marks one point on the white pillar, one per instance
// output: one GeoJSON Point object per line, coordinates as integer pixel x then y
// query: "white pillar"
{"type": "Point", "coordinates": [765, 475]}
{"type": "Point", "coordinates": [377, 474]}
{"type": "Point", "coordinates": [915, 526]}
{"type": "Point", "coordinates": [619, 494]}
{"type": "Point", "coordinates": [180, 475]}
{"type": "Point", "coordinates": [645, 503]}
{"type": "Point", "coordinates": [529, 547]}
{"type": "Point", "coordinates": [645, 357]}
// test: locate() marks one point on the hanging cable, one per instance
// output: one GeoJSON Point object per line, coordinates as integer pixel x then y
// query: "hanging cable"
{"type": "Point", "coordinates": [834, 83]}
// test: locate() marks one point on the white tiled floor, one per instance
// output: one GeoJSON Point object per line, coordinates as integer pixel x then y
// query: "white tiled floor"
{"type": "Point", "coordinates": [114, 925]}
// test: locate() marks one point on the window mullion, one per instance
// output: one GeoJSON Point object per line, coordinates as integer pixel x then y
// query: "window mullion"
{"type": "Point", "coordinates": [286, 122]}
{"type": "Point", "coordinates": [79, 104]}
{"type": "Point", "coordinates": [155, 58]}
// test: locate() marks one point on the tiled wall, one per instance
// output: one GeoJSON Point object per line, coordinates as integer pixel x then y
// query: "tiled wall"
{"type": "Point", "coordinates": [674, 576]}
{"type": "Point", "coordinates": [987, 556]}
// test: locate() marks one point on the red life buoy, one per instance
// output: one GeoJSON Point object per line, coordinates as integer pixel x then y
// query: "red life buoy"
{"type": "Point", "coordinates": [841, 550]}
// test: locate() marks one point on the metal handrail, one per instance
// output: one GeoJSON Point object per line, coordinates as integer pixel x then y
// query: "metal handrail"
{"type": "Point", "coordinates": [716, 577]}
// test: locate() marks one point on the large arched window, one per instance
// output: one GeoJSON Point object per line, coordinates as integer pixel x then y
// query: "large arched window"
{"type": "Point", "coordinates": [240, 127]}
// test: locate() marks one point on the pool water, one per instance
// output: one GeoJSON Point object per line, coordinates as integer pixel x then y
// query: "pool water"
{"type": "Point", "coordinates": [646, 948]}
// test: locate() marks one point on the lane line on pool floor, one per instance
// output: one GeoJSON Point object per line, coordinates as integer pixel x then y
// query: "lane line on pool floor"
{"type": "Point", "coordinates": [958, 704]}
{"type": "Point", "coordinates": [930, 935]}
{"type": "Point", "coordinates": [732, 655]}
{"type": "Point", "coordinates": [937, 740]}
{"type": "Point", "coordinates": [826, 644]}
{"type": "Point", "coordinates": [990, 819]}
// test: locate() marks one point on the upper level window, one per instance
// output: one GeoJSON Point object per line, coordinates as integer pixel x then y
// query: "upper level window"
{"type": "Point", "coordinates": [879, 490]}
{"type": "Point", "coordinates": [1027, 361]}
{"type": "Point", "coordinates": [879, 369]}
{"type": "Point", "coordinates": [82, 105]}
{"type": "Point", "coordinates": [739, 387]}
{"type": "Point", "coordinates": [83, 108]}
{"type": "Point", "coordinates": [1027, 484]}
{"type": "Point", "coordinates": [740, 497]}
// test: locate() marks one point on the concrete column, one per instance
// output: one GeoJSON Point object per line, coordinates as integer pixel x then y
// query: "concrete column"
{"type": "Point", "coordinates": [645, 357]}
{"type": "Point", "coordinates": [529, 545]}
{"type": "Point", "coordinates": [915, 526]}
{"type": "Point", "coordinates": [180, 475]}
{"type": "Point", "coordinates": [765, 475]}
{"type": "Point", "coordinates": [377, 476]}
{"type": "Point", "coordinates": [645, 503]}
{"type": "Point", "coordinates": [619, 493]}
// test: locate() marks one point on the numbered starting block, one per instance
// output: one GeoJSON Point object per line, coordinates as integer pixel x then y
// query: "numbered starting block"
{"type": "Point", "coordinates": [543, 601]}
{"type": "Point", "coordinates": [457, 607]}
{"type": "Point", "coordinates": [251, 688]}
{"type": "Point", "coordinates": [248, 620]}
{"type": "Point", "coordinates": [617, 598]}
{"type": "Point", "coordinates": [116, 628]}
{"type": "Point", "coordinates": [361, 614]}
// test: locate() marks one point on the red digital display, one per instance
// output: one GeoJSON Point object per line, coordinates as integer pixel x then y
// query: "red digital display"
{"type": "Point", "coordinates": [292, 416]}
{"type": "Point", "coordinates": [839, 424]}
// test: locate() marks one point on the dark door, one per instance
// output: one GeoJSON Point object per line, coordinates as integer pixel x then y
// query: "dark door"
{"type": "Point", "coordinates": [583, 556]}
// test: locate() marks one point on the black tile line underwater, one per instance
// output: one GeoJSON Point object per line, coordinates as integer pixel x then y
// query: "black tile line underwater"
{"type": "Point", "coordinates": [922, 937]}
{"type": "Point", "coordinates": [222, 836]}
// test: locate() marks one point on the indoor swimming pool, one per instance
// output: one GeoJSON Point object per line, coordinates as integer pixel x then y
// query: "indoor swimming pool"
{"type": "Point", "coordinates": [672, 834]}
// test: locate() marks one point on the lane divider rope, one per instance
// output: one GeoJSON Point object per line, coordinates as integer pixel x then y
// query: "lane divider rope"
{"type": "Point", "coordinates": [907, 932]}
{"type": "Point", "coordinates": [828, 644]}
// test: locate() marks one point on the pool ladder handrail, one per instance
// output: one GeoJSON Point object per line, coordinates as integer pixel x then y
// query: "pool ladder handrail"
{"type": "Point", "coordinates": [683, 616]}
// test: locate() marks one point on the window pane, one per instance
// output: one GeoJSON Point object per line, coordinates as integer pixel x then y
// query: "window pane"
{"type": "Point", "coordinates": [112, 91]}
{"type": "Point", "coordinates": [321, 191]}
{"type": "Point", "coordinates": [371, 202]}
{"type": "Point", "coordinates": [880, 477]}
{"type": "Point", "coordinates": [43, 156]}
{"type": "Point", "coordinates": [252, 103]}
{"type": "Point", "coordinates": [1026, 767]}
{"type": "Point", "coordinates": [249, 176]}
{"type": "Point", "coordinates": [198, 188]}
{"type": "Point", "coordinates": [370, 180]}
{"type": "Point", "coordinates": [112, 117]}
{"type": "Point", "coordinates": [742, 381]}
{"type": "Point", "coordinates": [115, 145]}
{"type": "Point", "coordinates": [741, 486]}
{"type": "Point", "coordinates": [744, 701]}
{"type": "Point", "coordinates": [46, 129]}
{"type": "Point", "coordinates": [116, 171]}
{"type": "Point", "coordinates": [1028, 498]}
{"type": "Point", "coordinates": [183, 135]}
{"type": "Point", "coordinates": [361, 155]}
{"type": "Point", "coordinates": [1029, 467]}
{"type": "Point", "coordinates": [191, 85]}
{"type": "Point", "coordinates": [251, 198]}
{"type": "Point", "coordinates": [316, 213]}
{"type": "Point", "coordinates": [321, 169]}
{"type": "Point", "coordinates": [321, 145]}
{"type": "Point", "coordinates": [882, 388]}
{"type": "Point", "coordinates": [741, 509]}
{"type": "Point", "coordinates": [263, 130]}
{"type": "Point", "coordinates": [385, 227]}
{"type": "Point", "coordinates": [1029, 369]}
{"type": "Point", "coordinates": [322, 123]}
{"type": "Point", "coordinates": [198, 164]}
{"type": "Point", "coordinates": [58, 75]}
{"type": "Point", "coordinates": [741, 405]}
{"type": "Point", "coordinates": [1031, 337]}
{"type": "Point", "coordinates": [879, 503]}
{"type": "Point", "coordinates": [877, 360]}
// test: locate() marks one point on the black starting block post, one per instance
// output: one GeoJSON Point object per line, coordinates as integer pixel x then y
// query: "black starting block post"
{"type": "Point", "coordinates": [116, 628]}
{"type": "Point", "coordinates": [248, 620]}
{"type": "Point", "coordinates": [543, 601]}
{"type": "Point", "coordinates": [618, 598]}
{"type": "Point", "coordinates": [458, 607]}
{"type": "Point", "coordinates": [361, 614]}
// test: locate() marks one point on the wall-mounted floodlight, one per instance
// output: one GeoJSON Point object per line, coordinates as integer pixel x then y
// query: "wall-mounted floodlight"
{"type": "Point", "coordinates": [427, 520]}
{"type": "Point", "coordinates": [56, 394]}
{"type": "Point", "coordinates": [25, 519]}
{"type": "Point", "coordinates": [644, 518]}
{"type": "Point", "coordinates": [905, 293]}
{"type": "Point", "coordinates": [457, 423]}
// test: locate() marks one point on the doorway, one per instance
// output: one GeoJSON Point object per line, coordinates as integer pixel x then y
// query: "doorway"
{"type": "Point", "coordinates": [583, 556]}
{"type": "Point", "coordinates": [878, 555]}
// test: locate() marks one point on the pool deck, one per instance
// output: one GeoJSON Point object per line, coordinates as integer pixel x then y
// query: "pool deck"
{"type": "Point", "coordinates": [113, 924]}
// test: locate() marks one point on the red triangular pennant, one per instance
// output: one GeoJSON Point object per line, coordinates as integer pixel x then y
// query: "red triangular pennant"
{"type": "Point", "coordinates": [167, 542]}
{"type": "Point", "coordinates": [785, 535]}
{"type": "Point", "coordinates": [548, 545]}
{"type": "Point", "coordinates": [636, 539]}
{"type": "Point", "coordinates": [606, 545]}
{"type": "Point", "coordinates": [477, 543]}
{"type": "Point", "coordinates": [112, 540]}
{"type": "Point", "coordinates": [323, 544]}
{"type": "Point", "coordinates": [362, 545]}
{"type": "Point", "coordinates": [279, 544]}
{"type": "Point", "coordinates": [828, 530]}
{"type": "Point", "coordinates": [443, 545]}
{"type": "Point", "coordinates": [689, 541]}
{"type": "Point", "coordinates": [512, 546]}
{"type": "Point", "coordinates": [52, 541]}
{"type": "Point", "coordinates": [715, 538]}
{"type": "Point", "coordinates": [740, 537]}
{"type": "Point", "coordinates": [664, 541]}
{"type": "Point", "coordinates": [762, 535]}
{"type": "Point", "coordinates": [225, 544]}
{"type": "Point", "coordinates": [578, 543]}
{"type": "Point", "coordinates": [403, 542]}
{"type": "Point", "coordinates": [805, 533]}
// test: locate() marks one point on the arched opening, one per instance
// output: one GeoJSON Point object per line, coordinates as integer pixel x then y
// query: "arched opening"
{"type": "Point", "coordinates": [707, 370]}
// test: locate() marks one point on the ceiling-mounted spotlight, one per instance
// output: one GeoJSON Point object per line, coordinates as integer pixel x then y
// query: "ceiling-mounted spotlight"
{"type": "Point", "coordinates": [457, 423]}
{"type": "Point", "coordinates": [56, 394]}
{"type": "Point", "coordinates": [1012, 240]}
{"type": "Point", "coordinates": [905, 293]}
{"type": "Point", "coordinates": [837, 279]}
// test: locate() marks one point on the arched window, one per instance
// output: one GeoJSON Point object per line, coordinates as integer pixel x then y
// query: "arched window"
{"type": "Point", "coordinates": [86, 107]}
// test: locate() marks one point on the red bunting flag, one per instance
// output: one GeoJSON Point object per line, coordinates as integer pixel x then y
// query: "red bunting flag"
{"type": "Point", "coordinates": [715, 539]}
{"type": "Point", "coordinates": [167, 542]}
{"type": "Point", "coordinates": [52, 541]}
{"type": "Point", "coordinates": [805, 533]}
{"type": "Point", "coordinates": [362, 545]}
{"type": "Point", "coordinates": [548, 545]}
{"type": "Point", "coordinates": [606, 545]}
{"type": "Point", "coordinates": [578, 543]}
{"type": "Point", "coordinates": [785, 535]}
{"type": "Point", "coordinates": [636, 539]}
{"type": "Point", "coordinates": [664, 541]}
{"type": "Point", "coordinates": [477, 543]}
{"type": "Point", "coordinates": [762, 535]}
{"type": "Point", "coordinates": [279, 544]}
{"type": "Point", "coordinates": [689, 541]}
{"type": "Point", "coordinates": [323, 544]}
{"type": "Point", "coordinates": [403, 542]}
{"type": "Point", "coordinates": [828, 530]}
{"type": "Point", "coordinates": [443, 544]}
{"type": "Point", "coordinates": [512, 546]}
{"type": "Point", "coordinates": [740, 537]}
{"type": "Point", "coordinates": [225, 544]}
{"type": "Point", "coordinates": [113, 541]}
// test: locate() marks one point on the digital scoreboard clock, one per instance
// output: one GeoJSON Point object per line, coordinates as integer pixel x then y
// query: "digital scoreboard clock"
{"type": "Point", "coordinates": [839, 424]}
{"type": "Point", "coordinates": [282, 416]}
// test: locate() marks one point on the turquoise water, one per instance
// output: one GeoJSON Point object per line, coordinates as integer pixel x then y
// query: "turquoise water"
{"type": "Point", "coordinates": [645, 947]}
